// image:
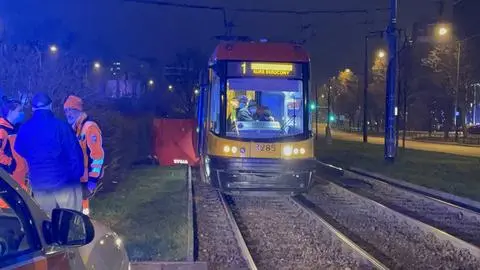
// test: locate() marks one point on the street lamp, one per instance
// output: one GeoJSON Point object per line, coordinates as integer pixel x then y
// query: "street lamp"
{"type": "Point", "coordinates": [328, 132]}
{"type": "Point", "coordinates": [442, 31]}
{"type": "Point", "coordinates": [381, 54]}
{"type": "Point", "coordinates": [151, 82]}
{"type": "Point", "coordinates": [97, 65]}
{"type": "Point", "coordinates": [196, 91]}
{"type": "Point", "coordinates": [347, 70]}
{"type": "Point", "coordinates": [170, 87]}
{"type": "Point", "coordinates": [53, 48]}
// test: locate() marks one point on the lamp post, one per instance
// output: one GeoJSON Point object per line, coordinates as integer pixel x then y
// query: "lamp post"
{"type": "Point", "coordinates": [328, 132]}
{"type": "Point", "coordinates": [444, 31]}
{"type": "Point", "coordinates": [474, 113]}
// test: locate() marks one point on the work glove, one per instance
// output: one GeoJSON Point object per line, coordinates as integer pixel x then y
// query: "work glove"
{"type": "Point", "coordinates": [91, 186]}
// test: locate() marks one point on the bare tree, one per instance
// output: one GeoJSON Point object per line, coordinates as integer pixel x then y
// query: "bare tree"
{"type": "Point", "coordinates": [377, 93]}
{"type": "Point", "coordinates": [347, 95]}
{"type": "Point", "coordinates": [442, 61]}
{"type": "Point", "coordinates": [187, 66]}
{"type": "Point", "coordinates": [26, 69]}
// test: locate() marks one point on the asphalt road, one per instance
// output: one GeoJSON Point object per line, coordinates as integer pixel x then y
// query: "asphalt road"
{"type": "Point", "coordinates": [470, 151]}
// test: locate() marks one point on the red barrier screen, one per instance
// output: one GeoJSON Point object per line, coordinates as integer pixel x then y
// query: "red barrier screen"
{"type": "Point", "coordinates": [173, 141]}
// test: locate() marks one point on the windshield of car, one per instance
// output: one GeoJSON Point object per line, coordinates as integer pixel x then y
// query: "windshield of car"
{"type": "Point", "coordinates": [264, 108]}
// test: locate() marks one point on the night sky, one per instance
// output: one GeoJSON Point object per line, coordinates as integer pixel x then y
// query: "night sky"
{"type": "Point", "coordinates": [112, 28]}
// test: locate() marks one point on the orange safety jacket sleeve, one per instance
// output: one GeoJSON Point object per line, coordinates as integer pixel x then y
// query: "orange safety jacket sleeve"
{"type": "Point", "coordinates": [95, 151]}
{"type": "Point", "coordinates": [7, 162]}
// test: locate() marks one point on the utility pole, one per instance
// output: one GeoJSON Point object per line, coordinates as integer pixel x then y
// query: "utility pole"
{"type": "Point", "coordinates": [365, 93]}
{"type": "Point", "coordinates": [316, 111]}
{"type": "Point", "coordinates": [475, 104]}
{"type": "Point", "coordinates": [328, 132]}
{"type": "Point", "coordinates": [457, 89]}
{"type": "Point", "coordinates": [390, 150]}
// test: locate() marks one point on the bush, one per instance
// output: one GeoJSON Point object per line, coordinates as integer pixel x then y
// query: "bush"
{"type": "Point", "coordinates": [126, 138]}
{"type": "Point", "coordinates": [126, 123]}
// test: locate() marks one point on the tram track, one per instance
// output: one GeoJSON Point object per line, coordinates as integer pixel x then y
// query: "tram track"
{"type": "Point", "coordinates": [216, 236]}
{"type": "Point", "coordinates": [458, 220]}
{"type": "Point", "coordinates": [283, 233]}
{"type": "Point", "coordinates": [415, 228]}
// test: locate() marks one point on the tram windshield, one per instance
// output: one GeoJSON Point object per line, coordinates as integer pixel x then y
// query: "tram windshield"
{"type": "Point", "coordinates": [264, 108]}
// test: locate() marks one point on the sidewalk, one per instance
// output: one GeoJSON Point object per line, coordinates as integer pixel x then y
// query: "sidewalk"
{"type": "Point", "coordinates": [469, 151]}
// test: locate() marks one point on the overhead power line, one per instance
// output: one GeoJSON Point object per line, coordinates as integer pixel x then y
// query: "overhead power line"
{"type": "Point", "coordinates": [229, 25]}
{"type": "Point", "coordinates": [257, 10]}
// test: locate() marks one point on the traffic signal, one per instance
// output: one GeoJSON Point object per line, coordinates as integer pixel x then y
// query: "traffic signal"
{"type": "Point", "coordinates": [313, 106]}
{"type": "Point", "coordinates": [331, 118]}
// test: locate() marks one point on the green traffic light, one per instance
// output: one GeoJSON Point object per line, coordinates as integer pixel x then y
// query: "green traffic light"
{"type": "Point", "coordinates": [313, 106]}
{"type": "Point", "coordinates": [332, 118]}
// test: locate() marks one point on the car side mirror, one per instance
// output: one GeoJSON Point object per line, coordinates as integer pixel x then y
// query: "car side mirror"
{"type": "Point", "coordinates": [71, 228]}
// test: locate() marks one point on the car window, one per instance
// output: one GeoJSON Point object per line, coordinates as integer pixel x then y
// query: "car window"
{"type": "Point", "coordinates": [16, 230]}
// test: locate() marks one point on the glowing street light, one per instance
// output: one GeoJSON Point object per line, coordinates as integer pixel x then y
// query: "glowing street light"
{"type": "Point", "coordinates": [347, 70]}
{"type": "Point", "coordinates": [442, 31]}
{"type": "Point", "coordinates": [53, 48]}
{"type": "Point", "coordinates": [97, 65]}
{"type": "Point", "coordinates": [381, 54]}
{"type": "Point", "coordinates": [196, 91]}
{"type": "Point", "coordinates": [170, 87]}
{"type": "Point", "coordinates": [151, 82]}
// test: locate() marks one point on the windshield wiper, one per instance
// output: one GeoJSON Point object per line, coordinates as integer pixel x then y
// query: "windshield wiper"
{"type": "Point", "coordinates": [284, 126]}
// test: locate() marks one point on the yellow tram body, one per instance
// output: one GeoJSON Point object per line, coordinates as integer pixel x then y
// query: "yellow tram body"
{"type": "Point", "coordinates": [221, 147]}
{"type": "Point", "coordinates": [268, 149]}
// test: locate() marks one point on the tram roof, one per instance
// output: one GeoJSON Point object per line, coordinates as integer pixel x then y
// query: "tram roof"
{"type": "Point", "coordinates": [256, 51]}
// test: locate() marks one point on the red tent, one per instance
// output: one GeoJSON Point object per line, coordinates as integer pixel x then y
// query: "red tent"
{"type": "Point", "coordinates": [174, 141]}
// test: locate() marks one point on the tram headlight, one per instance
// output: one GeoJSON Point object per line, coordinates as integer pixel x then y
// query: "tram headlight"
{"type": "Point", "coordinates": [234, 149]}
{"type": "Point", "coordinates": [287, 150]}
{"type": "Point", "coordinates": [302, 151]}
{"type": "Point", "coordinates": [226, 149]}
{"type": "Point", "coordinates": [295, 151]}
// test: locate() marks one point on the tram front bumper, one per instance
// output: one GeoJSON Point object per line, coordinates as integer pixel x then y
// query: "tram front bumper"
{"type": "Point", "coordinates": [257, 174]}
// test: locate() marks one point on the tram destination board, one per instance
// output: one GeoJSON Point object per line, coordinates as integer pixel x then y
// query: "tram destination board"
{"type": "Point", "coordinates": [264, 69]}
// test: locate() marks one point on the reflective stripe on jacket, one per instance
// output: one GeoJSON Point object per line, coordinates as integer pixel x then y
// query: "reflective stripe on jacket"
{"type": "Point", "coordinates": [90, 137]}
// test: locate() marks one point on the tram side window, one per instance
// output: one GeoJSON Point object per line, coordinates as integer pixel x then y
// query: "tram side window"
{"type": "Point", "coordinates": [215, 105]}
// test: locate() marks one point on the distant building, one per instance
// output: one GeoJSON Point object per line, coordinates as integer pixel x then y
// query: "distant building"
{"type": "Point", "coordinates": [128, 77]}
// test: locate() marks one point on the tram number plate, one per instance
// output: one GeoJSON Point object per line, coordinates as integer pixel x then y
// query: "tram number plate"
{"type": "Point", "coordinates": [266, 147]}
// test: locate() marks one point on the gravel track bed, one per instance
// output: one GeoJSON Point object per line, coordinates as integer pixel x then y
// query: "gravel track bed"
{"type": "Point", "coordinates": [217, 244]}
{"type": "Point", "coordinates": [281, 236]}
{"type": "Point", "coordinates": [463, 224]}
{"type": "Point", "coordinates": [406, 245]}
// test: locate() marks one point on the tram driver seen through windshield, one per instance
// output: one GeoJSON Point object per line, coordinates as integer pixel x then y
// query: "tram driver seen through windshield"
{"type": "Point", "coordinates": [265, 109]}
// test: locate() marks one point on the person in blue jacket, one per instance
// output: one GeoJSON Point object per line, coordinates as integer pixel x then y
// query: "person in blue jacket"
{"type": "Point", "coordinates": [54, 157]}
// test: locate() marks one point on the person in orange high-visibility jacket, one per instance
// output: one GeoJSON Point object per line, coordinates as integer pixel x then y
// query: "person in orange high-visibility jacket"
{"type": "Point", "coordinates": [90, 138]}
{"type": "Point", "coordinates": [11, 115]}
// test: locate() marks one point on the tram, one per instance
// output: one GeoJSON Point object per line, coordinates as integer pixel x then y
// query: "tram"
{"type": "Point", "coordinates": [254, 126]}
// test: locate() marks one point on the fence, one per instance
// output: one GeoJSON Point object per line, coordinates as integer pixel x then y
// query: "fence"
{"type": "Point", "coordinates": [434, 137]}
